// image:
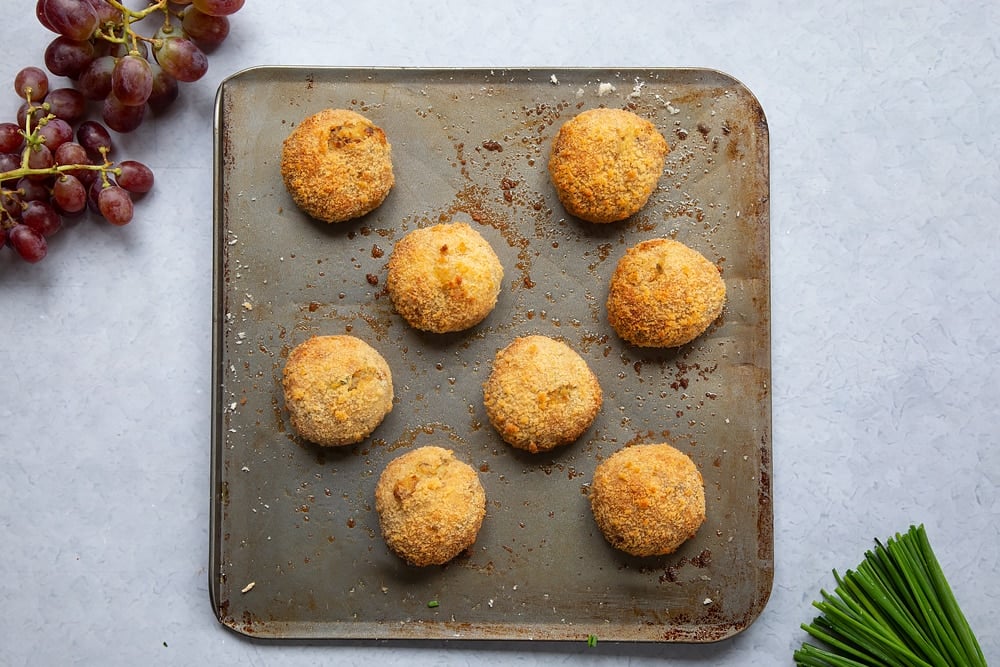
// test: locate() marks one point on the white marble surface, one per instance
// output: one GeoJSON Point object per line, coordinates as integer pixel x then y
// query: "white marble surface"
{"type": "Point", "coordinates": [885, 232]}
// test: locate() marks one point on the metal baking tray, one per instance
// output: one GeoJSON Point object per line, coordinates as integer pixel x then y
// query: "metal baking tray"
{"type": "Point", "coordinates": [295, 545]}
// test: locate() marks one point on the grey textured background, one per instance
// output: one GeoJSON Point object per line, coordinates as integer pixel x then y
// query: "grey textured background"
{"type": "Point", "coordinates": [884, 209]}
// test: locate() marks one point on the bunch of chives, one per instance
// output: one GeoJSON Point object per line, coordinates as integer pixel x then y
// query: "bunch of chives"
{"type": "Point", "coordinates": [895, 610]}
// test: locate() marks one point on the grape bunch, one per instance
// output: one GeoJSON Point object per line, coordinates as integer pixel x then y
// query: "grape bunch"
{"type": "Point", "coordinates": [54, 163]}
{"type": "Point", "coordinates": [100, 47]}
{"type": "Point", "coordinates": [49, 171]}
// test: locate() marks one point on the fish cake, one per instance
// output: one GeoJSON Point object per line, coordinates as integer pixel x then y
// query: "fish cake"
{"type": "Point", "coordinates": [430, 505]}
{"type": "Point", "coordinates": [605, 164]}
{"type": "Point", "coordinates": [338, 389]}
{"type": "Point", "coordinates": [664, 294]}
{"type": "Point", "coordinates": [337, 165]}
{"type": "Point", "coordinates": [444, 278]}
{"type": "Point", "coordinates": [541, 394]}
{"type": "Point", "coordinates": [648, 500]}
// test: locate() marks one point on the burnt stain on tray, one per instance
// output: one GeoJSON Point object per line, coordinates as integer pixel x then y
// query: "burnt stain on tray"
{"type": "Point", "coordinates": [296, 550]}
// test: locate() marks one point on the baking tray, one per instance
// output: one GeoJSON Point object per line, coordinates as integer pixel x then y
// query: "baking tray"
{"type": "Point", "coordinates": [295, 545]}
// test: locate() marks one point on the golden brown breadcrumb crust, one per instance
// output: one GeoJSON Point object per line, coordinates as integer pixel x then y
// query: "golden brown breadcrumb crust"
{"type": "Point", "coordinates": [540, 394]}
{"type": "Point", "coordinates": [430, 505]}
{"type": "Point", "coordinates": [605, 163]}
{"type": "Point", "coordinates": [338, 389]}
{"type": "Point", "coordinates": [337, 165]}
{"type": "Point", "coordinates": [648, 499]}
{"type": "Point", "coordinates": [444, 278]}
{"type": "Point", "coordinates": [664, 294]}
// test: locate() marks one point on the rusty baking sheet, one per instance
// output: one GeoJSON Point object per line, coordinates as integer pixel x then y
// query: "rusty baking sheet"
{"type": "Point", "coordinates": [295, 546]}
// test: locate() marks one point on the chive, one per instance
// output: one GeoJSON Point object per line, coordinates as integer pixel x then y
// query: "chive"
{"type": "Point", "coordinates": [433, 603]}
{"type": "Point", "coordinates": [972, 652]}
{"type": "Point", "coordinates": [810, 656]}
{"type": "Point", "coordinates": [885, 607]}
{"type": "Point", "coordinates": [895, 609]}
{"type": "Point", "coordinates": [943, 650]}
{"type": "Point", "coordinates": [867, 636]}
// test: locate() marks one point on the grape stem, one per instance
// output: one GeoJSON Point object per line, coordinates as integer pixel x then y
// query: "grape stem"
{"type": "Point", "coordinates": [105, 169]}
{"type": "Point", "coordinates": [130, 37]}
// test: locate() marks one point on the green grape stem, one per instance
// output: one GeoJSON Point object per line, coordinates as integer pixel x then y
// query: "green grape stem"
{"type": "Point", "coordinates": [130, 37]}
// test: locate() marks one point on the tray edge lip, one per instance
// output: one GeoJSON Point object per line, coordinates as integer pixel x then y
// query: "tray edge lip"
{"type": "Point", "coordinates": [429, 69]}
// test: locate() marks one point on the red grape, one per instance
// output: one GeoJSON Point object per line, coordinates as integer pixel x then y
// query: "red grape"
{"type": "Point", "coordinates": [69, 194]}
{"type": "Point", "coordinates": [93, 192]}
{"type": "Point", "coordinates": [75, 19]}
{"type": "Point", "coordinates": [181, 58]}
{"type": "Point", "coordinates": [218, 7]}
{"type": "Point", "coordinates": [31, 79]}
{"type": "Point", "coordinates": [27, 242]}
{"type": "Point", "coordinates": [131, 80]}
{"type": "Point", "coordinates": [95, 80]}
{"type": "Point", "coordinates": [67, 57]}
{"type": "Point", "coordinates": [71, 153]}
{"type": "Point", "coordinates": [165, 89]}
{"type": "Point", "coordinates": [115, 205]}
{"type": "Point", "coordinates": [9, 162]}
{"type": "Point", "coordinates": [40, 157]}
{"type": "Point", "coordinates": [66, 103]}
{"type": "Point", "coordinates": [95, 138]}
{"type": "Point", "coordinates": [33, 190]}
{"type": "Point", "coordinates": [204, 30]}
{"type": "Point", "coordinates": [40, 15]}
{"type": "Point", "coordinates": [11, 139]}
{"type": "Point", "coordinates": [122, 117]}
{"type": "Point", "coordinates": [42, 217]}
{"type": "Point", "coordinates": [106, 13]}
{"type": "Point", "coordinates": [56, 132]}
{"type": "Point", "coordinates": [135, 177]}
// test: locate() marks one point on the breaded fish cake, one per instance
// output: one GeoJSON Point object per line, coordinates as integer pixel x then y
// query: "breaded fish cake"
{"type": "Point", "coordinates": [337, 165]}
{"type": "Point", "coordinates": [605, 163]}
{"type": "Point", "coordinates": [664, 294]}
{"type": "Point", "coordinates": [444, 278]}
{"type": "Point", "coordinates": [430, 505]}
{"type": "Point", "coordinates": [540, 394]}
{"type": "Point", "coordinates": [648, 499]}
{"type": "Point", "coordinates": [338, 389]}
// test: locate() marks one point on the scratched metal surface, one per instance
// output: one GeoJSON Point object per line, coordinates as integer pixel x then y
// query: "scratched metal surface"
{"type": "Point", "coordinates": [295, 546]}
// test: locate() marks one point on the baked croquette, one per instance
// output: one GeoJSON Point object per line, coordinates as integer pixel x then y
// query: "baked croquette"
{"type": "Point", "coordinates": [338, 389]}
{"type": "Point", "coordinates": [648, 499]}
{"type": "Point", "coordinates": [605, 163]}
{"type": "Point", "coordinates": [430, 505]}
{"type": "Point", "coordinates": [337, 165]}
{"type": "Point", "coordinates": [664, 294]}
{"type": "Point", "coordinates": [444, 278]}
{"type": "Point", "coordinates": [540, 394]}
